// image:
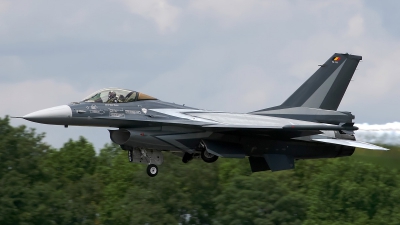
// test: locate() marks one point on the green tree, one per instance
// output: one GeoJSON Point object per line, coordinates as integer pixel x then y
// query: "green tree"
{"type": "Point", "coordinates": [21, 151]}
{"type": "Point", "coordinates": [72, 189]}
{"type": "Point", "coordinates": [72, 161]}
{"type": "Point", "coordinates": [262, 198]}
{"type": "Point", "coordinates": [231, 168]}
{"type": "Point", "coordinates": [181, 193]}
{"type": "Point", "coordinates": [348, 191]}
{"type": "Point", "coordinates": [73, 185]}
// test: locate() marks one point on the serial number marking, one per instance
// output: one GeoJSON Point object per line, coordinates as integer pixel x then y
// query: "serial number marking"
{"type": "Point", "coordinates": [120, 115]}
{"type": "Point", "coordinates": [133, 112]}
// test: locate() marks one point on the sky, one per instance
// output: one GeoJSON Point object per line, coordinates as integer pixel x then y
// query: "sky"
{"type": "Point", "coordinates": [230, 55]}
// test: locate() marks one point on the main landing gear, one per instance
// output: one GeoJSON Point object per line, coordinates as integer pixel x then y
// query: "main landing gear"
{"type": "Point", "coordinates": [201, 152]}
{"type": "Point", "coordinates": [208, 157]}
{"type": "Point", "coordinates": [205, 155]}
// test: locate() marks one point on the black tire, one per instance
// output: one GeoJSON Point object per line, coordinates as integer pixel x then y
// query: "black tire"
{"type": "Point", "coordinates": [152, 170]}
{"type": "Point", "coordinates": [187, 157]}
{"type": "Point", "coordinates": [130, 155]}
{"type": "Point", "coordinates": [208, 157]}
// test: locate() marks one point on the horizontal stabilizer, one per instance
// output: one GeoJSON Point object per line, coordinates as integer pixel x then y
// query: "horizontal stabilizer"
{"type": "Point", "coordinates": [357, 144]}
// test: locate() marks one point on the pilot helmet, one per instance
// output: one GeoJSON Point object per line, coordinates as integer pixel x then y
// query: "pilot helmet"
{"type": "Point", "coordinates": [111, 94]}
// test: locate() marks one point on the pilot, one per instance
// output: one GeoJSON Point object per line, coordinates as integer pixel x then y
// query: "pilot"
{"type": "Point", "coordinates": [121, 98]}
{"type": "Point", "coordinates": [112, 97]}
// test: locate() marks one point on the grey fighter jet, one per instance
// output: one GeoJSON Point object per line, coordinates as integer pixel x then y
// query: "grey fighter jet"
{"type": "Point", "coordinates": [306, 126]}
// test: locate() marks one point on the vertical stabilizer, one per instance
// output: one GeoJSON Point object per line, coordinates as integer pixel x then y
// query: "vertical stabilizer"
{"type": "Point", "coordinates": [326, 87]}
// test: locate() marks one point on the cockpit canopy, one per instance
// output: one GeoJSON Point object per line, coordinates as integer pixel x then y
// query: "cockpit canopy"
{"type": "Point", "coordinates": [116, 95]}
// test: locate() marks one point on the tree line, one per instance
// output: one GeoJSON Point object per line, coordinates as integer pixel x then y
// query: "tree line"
{"type": "Point", "coordinates": [74, 185]}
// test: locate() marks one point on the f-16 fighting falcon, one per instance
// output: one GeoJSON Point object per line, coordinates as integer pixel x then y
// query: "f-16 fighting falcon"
{"type": "Point", "coordinates": [305, 126]}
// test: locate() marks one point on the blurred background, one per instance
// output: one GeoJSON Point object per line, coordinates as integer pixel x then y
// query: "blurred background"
{"type": "Point", "coordinates": [230, 55]}
{"type": "Point", "coordinates": [74, 185]}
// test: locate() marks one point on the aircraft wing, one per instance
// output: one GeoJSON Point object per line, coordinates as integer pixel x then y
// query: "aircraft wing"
{"type": "Point", "coordinates": [236, 122]}
{"type": "Point", "coordinates": [223, 120]}
{"type": "Point", "coordinates": [284, 127]}
{"type": "Point", "coordinates": [246, 123]}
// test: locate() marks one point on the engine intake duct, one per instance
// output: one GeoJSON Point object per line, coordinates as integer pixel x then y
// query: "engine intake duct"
{"type": "Point", "coordinates": [119, 137]}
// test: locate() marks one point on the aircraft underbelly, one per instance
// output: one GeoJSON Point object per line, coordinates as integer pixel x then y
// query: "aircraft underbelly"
{"type": "Point", "coordinates": [158, 139]}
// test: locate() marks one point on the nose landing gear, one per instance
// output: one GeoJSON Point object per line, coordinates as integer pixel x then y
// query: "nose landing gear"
{"type": "Point", "coordinates": [150, 157]}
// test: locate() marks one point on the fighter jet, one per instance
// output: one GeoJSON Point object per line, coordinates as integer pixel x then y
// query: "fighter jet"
{"type": "Point", "coordinates": [305, 126]}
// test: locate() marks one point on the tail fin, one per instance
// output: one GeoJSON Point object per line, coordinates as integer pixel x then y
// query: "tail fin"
{"type": "Point", "coordinates": [326, 87]}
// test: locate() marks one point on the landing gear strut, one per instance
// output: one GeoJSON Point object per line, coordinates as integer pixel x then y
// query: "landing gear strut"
{"type": "Point", "coordinates": [150, 157]}
{"type": "Point", "coordinates": [152, 170]}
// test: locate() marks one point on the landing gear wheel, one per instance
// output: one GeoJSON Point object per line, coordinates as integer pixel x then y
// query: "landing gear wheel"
{"type": "Point", "coordinates": [152, 170]}
{"type": "Point", "coordinates": [187, 157]}
{"type": "Point", "coordinates": [208, 157]}
{"type": "Point", "coordinates": [130, 155]}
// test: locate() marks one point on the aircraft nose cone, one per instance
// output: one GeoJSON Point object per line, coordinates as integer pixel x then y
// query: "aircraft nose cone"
{"type": "Point", "coordinates": [55, 115]}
